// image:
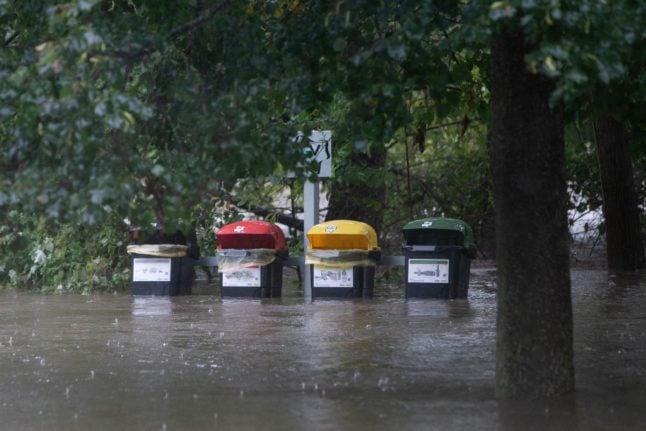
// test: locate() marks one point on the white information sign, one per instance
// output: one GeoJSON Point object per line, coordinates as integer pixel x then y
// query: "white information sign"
{"type": "Point", "coordinates": [149, 269]}
{"type": "Point", "coordinates": [320, 143]}
{"type": "Point", "coordinates": [244, 277]}
{"type": "Point", "coordinates": [333, 277]}
{"type": "Point", "coordinates": [319, 149]}
{"type": "Point", "coordinates": [428, 270]}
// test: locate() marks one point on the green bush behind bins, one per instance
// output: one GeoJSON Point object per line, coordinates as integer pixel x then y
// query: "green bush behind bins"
{"type": "Point", "coordinates": [51, 256]}
{"type": "Point", "coordinates": [54, 256]}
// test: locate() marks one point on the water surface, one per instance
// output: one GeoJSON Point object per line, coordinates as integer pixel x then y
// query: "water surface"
{"type": "Point", "coordinates": [102, 362]}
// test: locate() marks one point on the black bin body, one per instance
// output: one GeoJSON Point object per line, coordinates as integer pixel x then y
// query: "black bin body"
{"type": "Point", "coordinates": [437, 258]}
{"type": "Point", "coordinates": [450, 265]}
{"type": "Point", "coordinates": [268, 285]}
{"type": "Point", "coordinates": [161, 276]}
{"type": "Point", "coordinates": [363, 282]}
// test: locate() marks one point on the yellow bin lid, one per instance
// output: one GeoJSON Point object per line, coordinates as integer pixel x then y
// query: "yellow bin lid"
{"type": "Point", "coordinates": [342, 235]}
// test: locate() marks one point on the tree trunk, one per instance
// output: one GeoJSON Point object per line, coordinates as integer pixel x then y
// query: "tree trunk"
{"type": "Point", "coordinates": [623, 234]}
{"type": "Point", "coordinates": [534, 350]}
{"type": "Point", "coordinates": [485, 234]}
{"type": "Point", "coordinates": [363, 202]}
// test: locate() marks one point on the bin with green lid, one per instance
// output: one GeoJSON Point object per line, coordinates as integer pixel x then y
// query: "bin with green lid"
{"type": "Point", "coordinates": [437, 258]}
{"type": "Point", "coordinates": [343, 255]}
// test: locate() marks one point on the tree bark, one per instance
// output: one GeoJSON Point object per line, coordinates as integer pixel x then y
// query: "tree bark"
{"type": "Point", "coordinates": [485, 234]}
{"type": "Point", "coordinates": [534, 348]}
{"type": "Point", "coordinates": [360, 201]}
{"type": "Point", "coordinates": [624, 243]}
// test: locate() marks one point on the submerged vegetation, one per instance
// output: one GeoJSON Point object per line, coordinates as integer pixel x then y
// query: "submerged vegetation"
{"type": "Point", "coordinates": [43, 254]}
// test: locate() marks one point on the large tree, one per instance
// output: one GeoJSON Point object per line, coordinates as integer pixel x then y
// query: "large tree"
{"type": "Point", "coordinates": [624, 242]}
{"type": "Point", "coordinates": [595, 52]}
{"type": "Point", "coordinates": [547, 60]}
{"type": "Point", "coordinates": [534, 352]}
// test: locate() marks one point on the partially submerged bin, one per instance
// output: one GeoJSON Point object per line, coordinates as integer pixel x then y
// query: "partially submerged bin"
{"type": "Point", "coordinates": [343, 255]}
{"type": "Point", "coordinates": [437, 258]}
{"type": "Point", "coordinates": [250, 258]}
{"type": "Point", "coordinates": [160, 269]}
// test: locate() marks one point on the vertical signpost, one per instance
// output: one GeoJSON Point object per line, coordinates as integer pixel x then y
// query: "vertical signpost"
{"type": "Point", "coordinates": [311, 218]}
{"type": "Point", "coordinates": [320, 144]}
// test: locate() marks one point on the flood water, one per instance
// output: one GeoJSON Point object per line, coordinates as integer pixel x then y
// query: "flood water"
{"type": "Point", "coordinates": [72, 362]}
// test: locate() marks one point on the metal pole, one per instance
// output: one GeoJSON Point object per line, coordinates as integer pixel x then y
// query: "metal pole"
{"type": "Point", "coordinates": [311, 218]}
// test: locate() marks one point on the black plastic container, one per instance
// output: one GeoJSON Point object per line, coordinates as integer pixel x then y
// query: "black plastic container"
{"type": "Point", "coordinates": [361, 284]}
{"type": "Point", "coordinates": [265, 281]}
{"type": "Point", "coordinates": [437, 258]}
{"type": "Point", "coordinates": [161, 276]}
{"type": "Point", "coordinates": [436, 272]}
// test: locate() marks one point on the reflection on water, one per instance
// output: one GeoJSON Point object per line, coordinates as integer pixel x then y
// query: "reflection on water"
{"type": "Point", "coordinates": [200, 362]}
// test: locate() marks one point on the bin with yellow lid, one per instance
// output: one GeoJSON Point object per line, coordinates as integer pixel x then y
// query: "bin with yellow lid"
{"type": "Point", "coordinates": [342, 255]}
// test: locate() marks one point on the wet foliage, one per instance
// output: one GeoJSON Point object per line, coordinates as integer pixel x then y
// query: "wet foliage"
{"type": "Point", "coordinates": [43, 254]}
{"type": "Point", "coordinates": [154, 111]}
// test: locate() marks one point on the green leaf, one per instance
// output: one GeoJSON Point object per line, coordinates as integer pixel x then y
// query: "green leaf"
{"type": "Point", "coordinates": [158, 170]}
{"type": "Point", "coordinates": [339, 44]}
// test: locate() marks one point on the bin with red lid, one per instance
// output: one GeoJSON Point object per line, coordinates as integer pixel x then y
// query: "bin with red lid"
{"type": "Point", "coordinates": [250, 257]}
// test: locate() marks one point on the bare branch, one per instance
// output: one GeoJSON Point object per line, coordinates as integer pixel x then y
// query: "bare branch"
{"type": "Point", "coordinates": [177, 31]}
{"type": "Point", "coordinates": [289, 220]}
{"type": "Point", "coordinates": [285, 219]}
{"type": "Point", "coordinates": [200, 20]}
{"type": "Point", "coordinates": [10, 39]}
{"type": "Point", "coordinates": [441, 126]}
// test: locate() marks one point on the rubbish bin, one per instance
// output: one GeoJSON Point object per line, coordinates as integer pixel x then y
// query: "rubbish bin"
{"type": "Point", "coordinates": [160, 269]}
{"type": "Point", "coordinates": [343, 255]}
{"type": "Point", "coordinates": [437, 258]}
{"type": "Point", "coordinates": [250, 257]}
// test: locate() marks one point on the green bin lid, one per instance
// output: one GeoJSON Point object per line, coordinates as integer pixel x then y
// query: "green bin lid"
{"type": "Point", "coordinates": [442, 223]}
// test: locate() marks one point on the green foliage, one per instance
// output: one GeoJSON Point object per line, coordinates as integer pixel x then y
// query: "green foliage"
{"type": "Point", "coordinates": [207, 218]}
{"type": "Point", "coordinates": [592, 50]}
{"type": "Point", "coordinates": [154, 110]}
{"type": "Point", "coordinates": [99, 96]}
{"type": "Point", "coordinates": [117, 108]}
{"type": "Point", "coordinates": [583, 168]}
{"type": "Point", "coordinates": [63, 257]}
{"type": "Point", "coordinates": [584, 182]}
{"type": "Point", "coordinates": [448, 176]}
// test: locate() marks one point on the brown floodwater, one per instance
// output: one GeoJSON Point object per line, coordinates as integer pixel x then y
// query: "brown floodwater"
{"type": "Point", "coordinates": [105, 362]}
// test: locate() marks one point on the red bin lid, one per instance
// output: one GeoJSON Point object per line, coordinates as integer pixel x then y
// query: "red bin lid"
{"type": "Point", "coordinates": [251, 234]}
